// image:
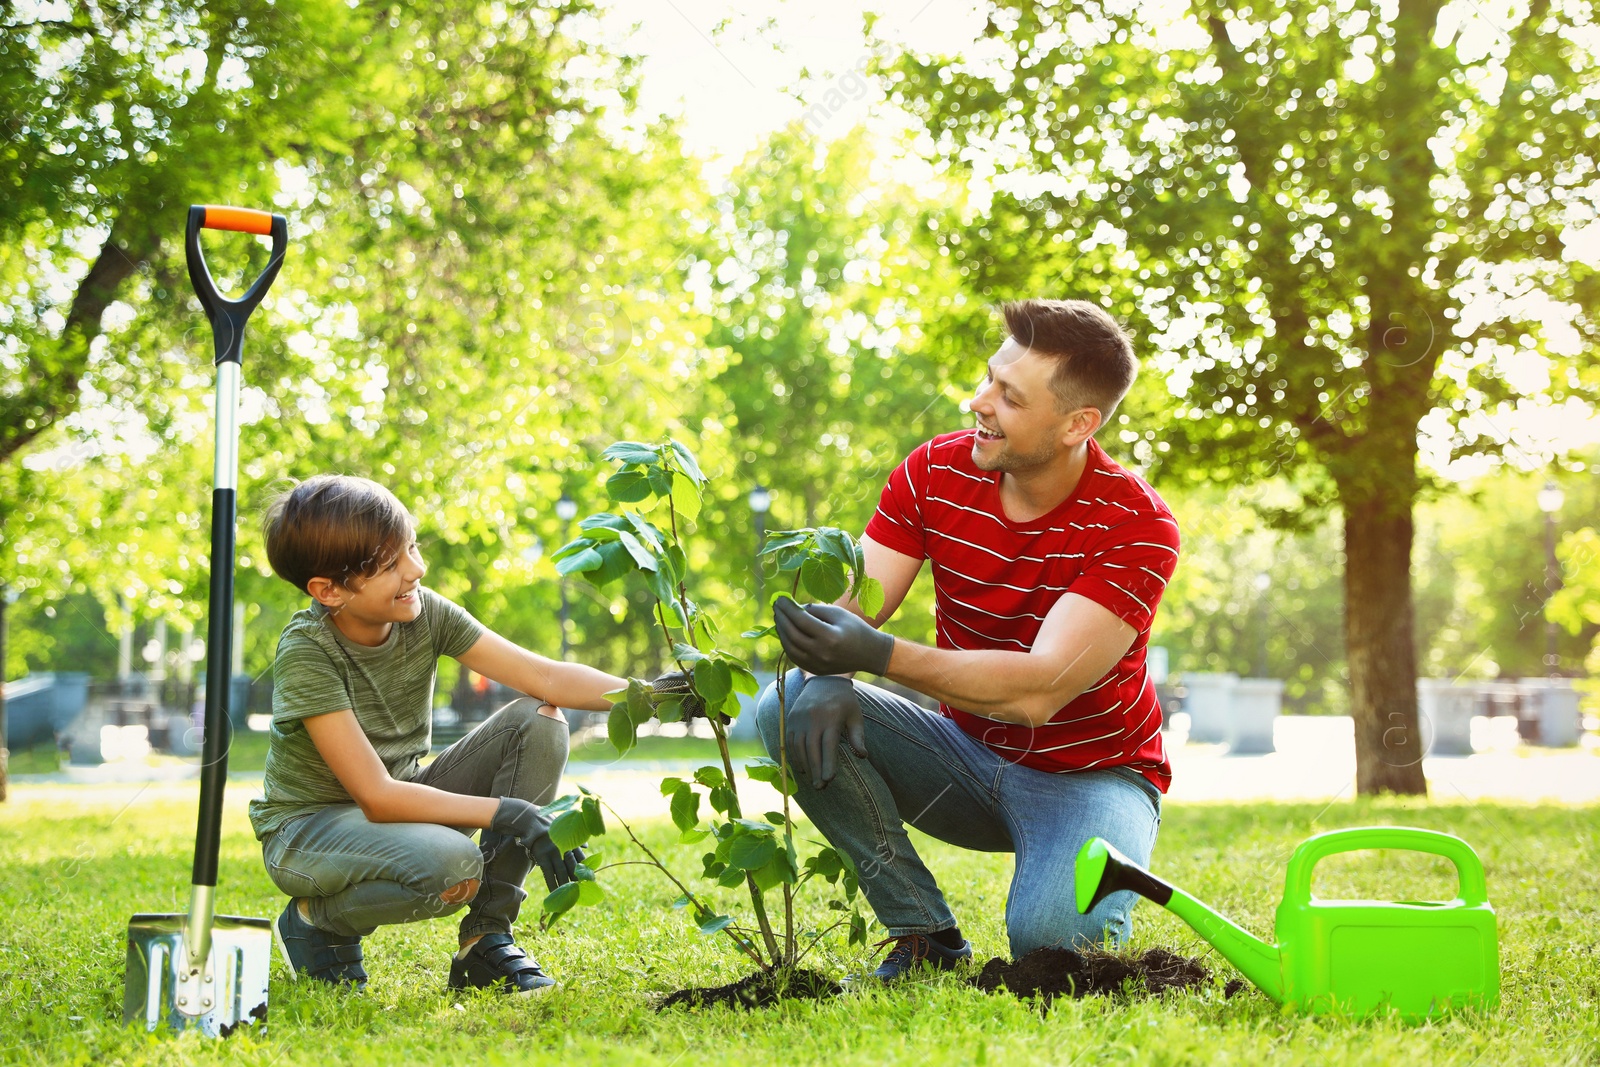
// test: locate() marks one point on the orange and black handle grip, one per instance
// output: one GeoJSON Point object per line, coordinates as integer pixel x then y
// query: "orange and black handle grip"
{"type": "Point", "coordinates": [229, 316]}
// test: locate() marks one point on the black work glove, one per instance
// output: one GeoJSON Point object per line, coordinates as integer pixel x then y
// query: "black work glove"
{"type": "Point", "coordinates": [524, 824]}
{"type": "Point", "coordinates": [678, 684]}
{"type": "Point", "coordinates": [825, 711]}
{"type": "Point", "coordinates": [827, 639]}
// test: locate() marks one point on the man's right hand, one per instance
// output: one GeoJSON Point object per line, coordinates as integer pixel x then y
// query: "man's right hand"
{"type": "Point", "coordinates": [527, 826]}
{"type": "Point", "coordinates": [825, 712]}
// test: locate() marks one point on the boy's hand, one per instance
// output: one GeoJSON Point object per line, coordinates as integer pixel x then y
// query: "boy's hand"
{"type": "Point", "coordinates": [527, 826]}
{"type": "Point", "coordinates": [678, 684]}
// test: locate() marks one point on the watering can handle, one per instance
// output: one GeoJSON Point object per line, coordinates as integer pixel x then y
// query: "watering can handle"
{"type": "Point", "coordinates": [1297, 883]}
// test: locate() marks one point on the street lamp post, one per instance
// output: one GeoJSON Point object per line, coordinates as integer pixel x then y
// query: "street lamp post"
{"type": "Point", "coordinates": [1550, 500]}
{"type": "Point", "coordinates": [566, 511]}
{"type": "Point", "coordinates": [760, 501]}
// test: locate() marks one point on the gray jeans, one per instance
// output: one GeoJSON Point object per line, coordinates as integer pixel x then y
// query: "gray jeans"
{"type": "Point", "coordinates": [923, 770]}
{"type": "Point", "coordinates": [358, 875]}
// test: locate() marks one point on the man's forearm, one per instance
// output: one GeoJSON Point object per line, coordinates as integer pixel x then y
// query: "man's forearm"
{"type": "Point", "coordinates": [1013, 687]}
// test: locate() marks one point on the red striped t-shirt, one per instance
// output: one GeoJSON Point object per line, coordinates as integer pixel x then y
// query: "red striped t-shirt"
{"type": "Point", "coordinates": [1112, 540]}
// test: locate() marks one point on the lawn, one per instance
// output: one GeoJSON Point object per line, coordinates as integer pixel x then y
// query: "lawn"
{"type": "Point", "coordinates": [73, 875]}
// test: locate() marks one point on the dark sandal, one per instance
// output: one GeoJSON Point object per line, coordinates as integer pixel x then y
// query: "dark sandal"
{"type": "Point", "coordinates": [496, 961]}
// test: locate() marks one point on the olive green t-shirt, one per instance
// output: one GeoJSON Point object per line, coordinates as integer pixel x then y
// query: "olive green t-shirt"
{"type": "Point", "coordinates": [390, 688]}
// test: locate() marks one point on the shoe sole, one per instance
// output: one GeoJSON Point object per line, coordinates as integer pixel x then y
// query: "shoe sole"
{"type": "Point", "coordinates": [283, 948]}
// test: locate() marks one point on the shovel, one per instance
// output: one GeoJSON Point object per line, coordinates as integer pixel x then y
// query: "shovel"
{"type": "Point", "coordinates": [198, 971]}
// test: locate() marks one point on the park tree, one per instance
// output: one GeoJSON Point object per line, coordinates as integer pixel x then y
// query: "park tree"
{"type": "Point", "coordinates": [470, 254]}
{"type": "Point", "coordinates": [825, 308]}
{"type": "Point", "coordinates": [1332, 225]}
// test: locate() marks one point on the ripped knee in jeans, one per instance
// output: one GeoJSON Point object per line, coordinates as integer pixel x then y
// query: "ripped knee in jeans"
{"type": "Point", "coordinates": [461, 892]}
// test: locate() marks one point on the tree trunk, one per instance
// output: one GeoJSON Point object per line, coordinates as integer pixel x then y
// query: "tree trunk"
{"type": "Point", "coordinates": [1380, 642]}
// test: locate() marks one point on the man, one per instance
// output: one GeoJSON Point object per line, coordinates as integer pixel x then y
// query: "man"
{"type": "Point", "coordinates": [1048, 562]}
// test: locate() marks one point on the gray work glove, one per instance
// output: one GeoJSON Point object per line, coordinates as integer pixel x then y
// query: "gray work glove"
{"type": "Point", "coordinates": [828, 639]}
{"type": "Point", "coordinates": [825, 712]}
{"type": "Point", "coordinates": [678, 684]}
{"type": "Point", "coordinates": [524, 824]}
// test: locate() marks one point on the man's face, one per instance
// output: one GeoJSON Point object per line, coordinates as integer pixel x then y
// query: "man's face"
{"type": "Point", "coordinates": [1019, 426]}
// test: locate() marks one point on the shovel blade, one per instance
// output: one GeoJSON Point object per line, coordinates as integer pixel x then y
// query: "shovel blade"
{"type": "Point", "coordinates": [230, 991]}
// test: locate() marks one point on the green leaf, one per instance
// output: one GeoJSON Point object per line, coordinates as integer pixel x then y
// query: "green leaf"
{"type": "Point", "coordinates": [723, 799]}
{"type": "Point", "coordinates": [670, 709]}
{"type": "Point", "coordinates": [713, 680]}
{"type": "Point", "coordinates": [576, 545]}
{"type": "Point", "coordinates": [639, 709]}
{"type": "Point", "coordinates": [858, 929]}
{"type": "Point", "coordinates": [641, 555]}
{"type": "Point", "coordinates": [775, 818]}
{"type": "Point", "coordinates": [589, 892]}
{"type": "Point", "coordinates": [685, 808]}
{"type": "Point", "coordinates": [592, 816]}
{"type": "Point", "coordinates": [731, 878]}
{"type": "Point", "coordinates": [870, 597]}
{"type": "Point", "coordinates": [670, 786]}
{"type": "Point", "coordinates": [775, 871]}
{"type": "Point", "coordinates": [585, 559]}
{"type": "Point", "coordinates": [562, 899]}
{"type": "Point", "coordinates": [660, 481]}
{"type": "Point", "coordinates": [715, 924]}
{"type": "Point", "coordinates": [744, 681]}
{"type": "Point", "coordinates": [765, 631]}
{"type": "Point", "coordinates": [603, 526]}
{"type": "Point", "coordinates": [629, 486]}
{"type": "Point", "coordinates": [837, 545]}
{"type": "Point", "coordinates": [689, 837]}
{"type": "Point", "coordinates": [685, 497]}
{"type": "Point", "coordinates": [823, 579]}
{"type": "Point", "coordinates": [569, 830]}
{"type": "Point", "coordinates": [619, 729]}
{"type": "Point", "coordinates": [617, 563]}
{"type": "Point", "coordinates": [631, 452]}
{"type": "Point", "coordinates": [687, 653]}
{"type": "Point", "coordinates": [688, 463]}
{"type": "Point", "coordinates": [769, 771]}
{"type": "Point", "coordinates": [710, 777]}
{"type": "Point", "coordinates": [751, 851]}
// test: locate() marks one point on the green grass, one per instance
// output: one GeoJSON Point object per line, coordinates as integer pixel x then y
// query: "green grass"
{"type": "Point", "coordinates": [40, 759]}
{"type": "Point", "coordinates": [74, 874]}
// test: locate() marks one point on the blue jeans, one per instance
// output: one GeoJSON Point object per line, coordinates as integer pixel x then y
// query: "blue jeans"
{"type": "Point", "coordinates": [358, 875]}
{"type": "Point", "coordinates": [923, 769]}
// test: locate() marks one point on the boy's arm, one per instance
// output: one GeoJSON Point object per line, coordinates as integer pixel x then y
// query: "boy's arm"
{"type": "Point", "coordinates": [567, 685]}
{"type": "Point", "coordinates": [344, 747]}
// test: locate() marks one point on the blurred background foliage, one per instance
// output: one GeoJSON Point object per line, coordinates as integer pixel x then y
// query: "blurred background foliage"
{"type": "Point", "coordinates": [486, 286]}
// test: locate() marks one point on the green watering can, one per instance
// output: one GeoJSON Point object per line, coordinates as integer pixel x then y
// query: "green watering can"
{"type": "Point", "coordinates": [1358, 957]}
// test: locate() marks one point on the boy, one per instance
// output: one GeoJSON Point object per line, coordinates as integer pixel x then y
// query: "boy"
{"type": "Point", "coordinates": [352, 828]}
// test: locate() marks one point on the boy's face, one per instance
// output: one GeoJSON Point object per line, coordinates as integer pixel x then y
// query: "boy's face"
{"type": "Point", "coordinates": [387, 597]}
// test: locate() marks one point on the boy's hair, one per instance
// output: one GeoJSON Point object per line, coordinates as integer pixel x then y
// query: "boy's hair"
{"type": "Point", "coordinates": [1093, 353]}
{"type": "Point", "coordinates": [335, 526]}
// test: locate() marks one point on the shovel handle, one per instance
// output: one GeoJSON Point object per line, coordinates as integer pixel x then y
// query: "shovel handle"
{"type": "Point", "coordinates": [229, 316]}
{"type": "Point", "coordinates": [1469, 869]}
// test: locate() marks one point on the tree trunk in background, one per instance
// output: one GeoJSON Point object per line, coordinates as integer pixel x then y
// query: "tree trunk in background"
{"type": "Point", "coordinates": [1380, 642]}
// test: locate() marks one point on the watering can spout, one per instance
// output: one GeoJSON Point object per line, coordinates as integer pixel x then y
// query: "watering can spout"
{"type": "Point", "coordinates": [1102, 870]}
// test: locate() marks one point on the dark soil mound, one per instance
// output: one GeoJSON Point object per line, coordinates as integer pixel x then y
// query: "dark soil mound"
{"type": "Point", "coordinates": [1052, 972]}
{"type": "Point", "coordinates": [760, 990]}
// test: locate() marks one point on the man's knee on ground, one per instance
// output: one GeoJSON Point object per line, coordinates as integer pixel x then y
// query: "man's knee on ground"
{"type": "Point", "coordinates": [1076, 932]}
{"type": "Point", "coordinates": [461, 892]}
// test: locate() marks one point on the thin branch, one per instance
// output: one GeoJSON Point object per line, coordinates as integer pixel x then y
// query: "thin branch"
{"type": "Point", "coordinates": [700, 908]}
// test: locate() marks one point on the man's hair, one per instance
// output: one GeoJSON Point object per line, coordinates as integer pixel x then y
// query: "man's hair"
{"type": "Point", "coordinates": [1093, 353]}
{"type": "Point", "coordinates": [335, 526]}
